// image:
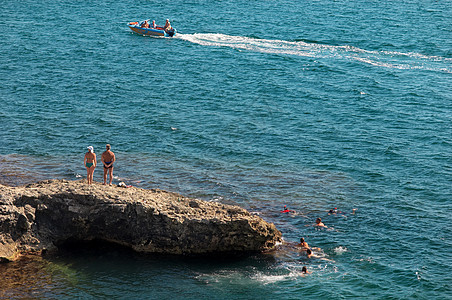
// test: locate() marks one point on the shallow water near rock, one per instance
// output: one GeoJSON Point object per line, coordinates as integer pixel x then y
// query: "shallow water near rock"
{"type": "Point", "coordinates": [312, 105]}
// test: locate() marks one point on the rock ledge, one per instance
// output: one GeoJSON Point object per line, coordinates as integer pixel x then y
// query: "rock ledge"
{"type": "Point", "coordinates": [41, 216]}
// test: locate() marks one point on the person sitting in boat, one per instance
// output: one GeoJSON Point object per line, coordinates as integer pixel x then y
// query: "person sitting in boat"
{"type": "Point", "coordinates": [153, 23]}
{"type": "Point", "coordinates": [145, 24]}
{"type": "Point", "coordinates": [167, 26]}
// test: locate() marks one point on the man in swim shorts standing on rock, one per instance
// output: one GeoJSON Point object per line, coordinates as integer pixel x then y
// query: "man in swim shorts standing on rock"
{"type": "Point", "coordinates": [108, 158]}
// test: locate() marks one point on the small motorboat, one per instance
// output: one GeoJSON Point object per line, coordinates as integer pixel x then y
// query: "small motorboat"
{"type": "Point", "coordinates": [144, 28]}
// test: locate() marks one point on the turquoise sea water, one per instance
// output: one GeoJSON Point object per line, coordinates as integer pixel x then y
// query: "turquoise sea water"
{"type": "Point", "coordinates": [313, 105]}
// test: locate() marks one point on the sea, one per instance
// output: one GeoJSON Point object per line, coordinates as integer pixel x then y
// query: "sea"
{"type": "Point", "coordinates": [314, 105]}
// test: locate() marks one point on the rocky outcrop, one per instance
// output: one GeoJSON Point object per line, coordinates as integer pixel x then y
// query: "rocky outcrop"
{"type": "Point", "coordinates": [40, 217]}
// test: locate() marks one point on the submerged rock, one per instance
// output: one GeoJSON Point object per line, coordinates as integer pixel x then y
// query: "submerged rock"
{"type": "Point", "coordinates": [42, 216]}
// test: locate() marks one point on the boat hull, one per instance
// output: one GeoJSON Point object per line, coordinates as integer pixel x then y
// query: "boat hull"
{"type": "Point", "coordinates": [151, 31]}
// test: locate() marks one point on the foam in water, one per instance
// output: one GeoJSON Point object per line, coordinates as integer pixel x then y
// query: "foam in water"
{"type": "Point", "coordinates": [255, 277]}
{"type": "Point", "coordinates": [340, 250]}
{"type": "Point", "coordinates": [299, 48]}
{"type": "Point", "coordinates": [267, 279]}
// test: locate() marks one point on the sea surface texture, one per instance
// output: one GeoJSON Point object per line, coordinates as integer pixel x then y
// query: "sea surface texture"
{"type": "Point", "coordinates": [314, 105]}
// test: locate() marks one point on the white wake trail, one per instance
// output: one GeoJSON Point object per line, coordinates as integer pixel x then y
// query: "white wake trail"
{"type": "Point", "coordinates": [387, 59]}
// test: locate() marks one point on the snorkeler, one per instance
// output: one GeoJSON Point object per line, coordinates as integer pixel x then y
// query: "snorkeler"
{"type": "Point", "coordinates": [286, 210]}
{"type": "Point", "coordinates": [333, 211]}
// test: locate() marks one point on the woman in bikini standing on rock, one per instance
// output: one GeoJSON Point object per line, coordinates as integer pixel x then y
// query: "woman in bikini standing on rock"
{"type": "Point", "coordinates": [90, 163]}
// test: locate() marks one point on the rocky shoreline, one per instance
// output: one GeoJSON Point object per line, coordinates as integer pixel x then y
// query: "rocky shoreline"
{"type": "Point", "coordinates": [40, 217]}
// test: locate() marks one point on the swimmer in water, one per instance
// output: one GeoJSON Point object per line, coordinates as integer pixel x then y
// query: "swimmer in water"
{"type": "Point", "coordinates": [333, 211]}
{"type": "Point", "coordinates": [303, 244]}
{"type": "Point", "coordinates": [304, 270]}
{"type": "Point", "coordinates": [319, 223]}
{"type": "Point", "coordinates": [319, 254]}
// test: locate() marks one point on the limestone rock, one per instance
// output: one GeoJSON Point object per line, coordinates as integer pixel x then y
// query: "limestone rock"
{"type": "Point", "coordinates": [41, 216]}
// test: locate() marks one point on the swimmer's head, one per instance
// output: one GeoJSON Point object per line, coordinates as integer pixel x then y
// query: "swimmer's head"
{"type": "Point", "coordinates": [90, 148]}
{"type": "Point", "coordinates": [308, 251]}
{"type": "Point", "coordinates": [304, 269]}
{"type": "Point", "coordinates": [108, 146]}
{"type": "Point", "coordinates": [318, 220]}
{"type": "Point", "coordinates": [301, 240]}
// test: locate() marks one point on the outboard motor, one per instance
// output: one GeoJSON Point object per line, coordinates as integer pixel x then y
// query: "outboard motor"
{"type": "Point", "coordinates": [171, 32]}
